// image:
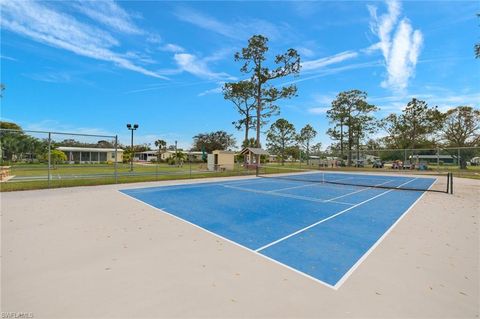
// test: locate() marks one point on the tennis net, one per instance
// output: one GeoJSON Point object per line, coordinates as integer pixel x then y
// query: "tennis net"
{"type": "Point", "coordinates": [442, 183]}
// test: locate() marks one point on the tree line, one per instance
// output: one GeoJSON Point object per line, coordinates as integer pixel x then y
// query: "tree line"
{"type": "Point", "coordinates": [351, 117]}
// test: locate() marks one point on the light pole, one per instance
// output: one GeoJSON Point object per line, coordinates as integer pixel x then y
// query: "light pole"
{"type": "Point", "coordinates": [132, 128]}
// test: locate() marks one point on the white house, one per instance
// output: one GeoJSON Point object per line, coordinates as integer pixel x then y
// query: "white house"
{"type": "Point", "coordinates": [90, 154]}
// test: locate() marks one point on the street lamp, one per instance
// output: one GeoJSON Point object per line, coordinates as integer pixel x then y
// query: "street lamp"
{"type": "Point", "coordinates": [132, 128]}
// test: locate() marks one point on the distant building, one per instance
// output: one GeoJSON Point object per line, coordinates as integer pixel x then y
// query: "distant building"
{"type": "Point", "coordinates": [251, 153]}
{"type": "Point", "coordinates": [90, 154]}
{"type": "Point", "coordinates": [148, 156]}
{"type": "Point", "coordinates": [221, 161]}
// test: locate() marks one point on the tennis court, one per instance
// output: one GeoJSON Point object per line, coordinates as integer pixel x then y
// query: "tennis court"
{"type": "Point", "coordinates": [322, 225]}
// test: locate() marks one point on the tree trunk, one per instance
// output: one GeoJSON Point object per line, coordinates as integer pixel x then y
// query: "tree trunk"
{"type": "Point", "coordinates": [341, 139]}
{"type": "Point", "coordinates": [350, 141]}
{"type": "Point", "coordinates": [259, 113]}
{"type": "Point", "coordinates": [308, 152]}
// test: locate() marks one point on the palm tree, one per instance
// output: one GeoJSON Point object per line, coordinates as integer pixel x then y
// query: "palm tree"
{"type": "Point", "coordinates": [161, 144]}
{"type": "Point", "coordinates": [179, 157]}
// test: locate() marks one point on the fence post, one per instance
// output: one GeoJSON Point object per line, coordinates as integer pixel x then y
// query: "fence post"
{"type": "Point", "coordinates": [438, 160]}
{"type": "Point", "coordinates": [116, 160]}
{"type": "Point", "coordinates": [190, 163]}
{"type": "Point", "coordinates": [49, 156]}
{"type": "Point", "coordinates": [458, 158]}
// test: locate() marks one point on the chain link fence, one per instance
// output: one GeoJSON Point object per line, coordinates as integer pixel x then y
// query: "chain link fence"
{"type": "Point", "coordinates": [41, 159]}
{"type": "Point", "coordinates": [461, 161]}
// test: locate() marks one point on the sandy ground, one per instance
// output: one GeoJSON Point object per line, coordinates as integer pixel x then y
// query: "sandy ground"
{"type": "Point", "coordinates": [91, 252]}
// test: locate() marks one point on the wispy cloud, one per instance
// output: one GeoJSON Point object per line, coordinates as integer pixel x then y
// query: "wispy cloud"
{"type": "Point", "coordinates": [399, 44]}
{"type": "Point", "coordinates": [305, 52]}
{"type": "Point", "coordinates": [170, 47]}
{"type": "Point", "coordinates": [56, 126]}
{"type": "Point", "coordinates": [216, 90]}
{"type": "Point", "coordinates": [323, 62]}
{"type": "Point", "coordinates": [444, 99]}
{"type": "Point", "coordinates": [318, 110]}
{"type": "Point", "coordinates": [4, 57]}
{"type": "Point", "coordinates": [108, 13]}
{"type": "Point", "coordinates": [43, 24]}
{"type": "Point", "coordinates": [238, 30]}
{"type": "Point", "coordinates": [198, 67]}
{"type": "Point", "coordinates": [51, 77]}
{"type": "Point", "coordinates": [330, 71]}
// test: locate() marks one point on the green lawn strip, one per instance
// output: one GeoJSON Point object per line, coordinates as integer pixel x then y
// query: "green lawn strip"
{"type": "Point", "coordinates": [60, 170]}
{"type": "Point", "coordinates": [42, 184]}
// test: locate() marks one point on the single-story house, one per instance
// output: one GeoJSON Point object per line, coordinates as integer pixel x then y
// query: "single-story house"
{"type": "Point", "coordinates": [90, 154]}
{"type": "Point", "coordinates": [148, 156]}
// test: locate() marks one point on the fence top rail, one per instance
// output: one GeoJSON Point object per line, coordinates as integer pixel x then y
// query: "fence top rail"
{"type": "Point", "coordinates": [409, 149]}
{"type": "Point", "coordinates": [57, 133]}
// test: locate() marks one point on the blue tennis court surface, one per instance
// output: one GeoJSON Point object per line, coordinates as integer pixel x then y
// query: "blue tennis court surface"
{"type": "Point", "coordinates": [321, 230]}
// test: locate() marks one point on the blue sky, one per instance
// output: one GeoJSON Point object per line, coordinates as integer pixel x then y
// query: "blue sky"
{"type": "Point", "coordinates": [94, 66]}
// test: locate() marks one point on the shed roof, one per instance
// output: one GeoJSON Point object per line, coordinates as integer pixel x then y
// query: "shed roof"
{"type": "Point", "coordinates": [255, 151]}
{"type": "Point", "coordinates": [223, 152]}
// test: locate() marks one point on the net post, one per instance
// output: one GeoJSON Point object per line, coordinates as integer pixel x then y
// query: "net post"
{"type": "Point", "coordinates": [451, 183]}
{"type": "Point", "coordinates": [448, 183]}
{"type": "Point", "coordinates": [49, 157]}
{"type": "Point", "coordinates": [115, 168]}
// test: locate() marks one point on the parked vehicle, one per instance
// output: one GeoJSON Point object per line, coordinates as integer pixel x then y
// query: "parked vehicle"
{"type": "Point", "coordinates": [378, 164]}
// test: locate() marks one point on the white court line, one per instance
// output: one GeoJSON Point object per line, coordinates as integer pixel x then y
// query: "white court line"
{"type": "Point", "coordinates": [370, 250]}
{"type": "Point", "coordinates": [328, 218]}
{"type": "Point", "coordinates": [332, 199]}
{"type": "Point", "coordinates": [232, 242]}
{"type": "Point", "coordinates": [283, 195]}
{"type": "Point", "coordinates": [337, 285]}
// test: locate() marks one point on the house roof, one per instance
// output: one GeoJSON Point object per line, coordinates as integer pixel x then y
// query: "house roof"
{"type": "Point", "coordinates": [253, 150]}
{"type": "Point", "coordinates": [87, 149]}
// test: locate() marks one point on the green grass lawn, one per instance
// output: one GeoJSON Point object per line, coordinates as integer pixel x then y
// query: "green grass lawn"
{"type": "Point", "coordinates": [93, 169]}
{"type": "Point", "coordinates": [35, 176]}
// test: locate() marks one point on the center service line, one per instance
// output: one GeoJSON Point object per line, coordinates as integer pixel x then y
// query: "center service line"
{"type": "Point", "coordinates": [328, 218]}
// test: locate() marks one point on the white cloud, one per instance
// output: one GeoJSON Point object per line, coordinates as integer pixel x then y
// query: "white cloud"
{"type": "Point", "coordinates": [444, 99]}
{"type": "Point", "coordinates": [231, 29]}
{"type": "Point", "coordinates": [198, 67]}
{"type": "Point", "coordinates": [216, 90]}
{"type": "Point", "coordinates": [51, 77]}
{"type": "Point", "coordinates": [399, 44]}
{"type": "Point", "coordinates": [4, 57]}
{"type": "Point", "coordinates": [305, 52]}
{"type": "Point", "coordinates": [170, 47]}
{"type": "Point", "coordinates": [40, 23]}
{"type": "Point", "coordinates": [323, 62]}
{"type": "Point", "coordinates": [108, 13]}
{"type": "Point", "coordinates": [318, 110]}
{"type": "Point", "coordinates": [330, 71]}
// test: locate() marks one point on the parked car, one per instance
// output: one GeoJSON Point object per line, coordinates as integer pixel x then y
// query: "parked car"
{"type": "Point", "coordinates": [377, 164]}
{"type": "Point", "coordinates": [359, 163]}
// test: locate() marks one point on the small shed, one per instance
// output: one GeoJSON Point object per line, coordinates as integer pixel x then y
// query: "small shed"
{"type": "Point", "coordinates": [251, 153]}
{"type": "Point", "coordinates": [221, 160]}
